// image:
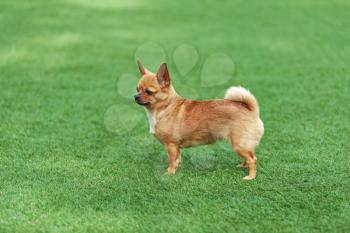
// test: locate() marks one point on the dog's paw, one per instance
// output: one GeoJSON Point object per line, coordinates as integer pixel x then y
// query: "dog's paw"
{"type": "Point", "coordinates": [243, 165]}
{"type": "Point", "coordinates": [249, 178]}
{"type": "Point", "coordinates": [170, 171]}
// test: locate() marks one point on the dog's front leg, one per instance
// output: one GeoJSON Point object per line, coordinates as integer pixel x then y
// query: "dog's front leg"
{"type": "Point", "coordinates": [173, 156]}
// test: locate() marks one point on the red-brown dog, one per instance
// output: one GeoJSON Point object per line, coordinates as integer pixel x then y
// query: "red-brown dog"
{"type": "Point", "coordinates": [179, 123]}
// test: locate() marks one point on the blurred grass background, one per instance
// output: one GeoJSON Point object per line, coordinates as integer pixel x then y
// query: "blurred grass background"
{"type": "Point", "coordinates": [63, 171]}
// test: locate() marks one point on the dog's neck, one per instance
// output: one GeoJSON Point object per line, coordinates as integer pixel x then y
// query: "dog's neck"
{"type": "Point", "coordinates": [154, 113]}
{"type": "Point", "coordinates": [171, 98]}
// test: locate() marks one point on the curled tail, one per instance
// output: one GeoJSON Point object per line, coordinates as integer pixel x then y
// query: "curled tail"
{"type": "Point", "coordinates": [242, 95]}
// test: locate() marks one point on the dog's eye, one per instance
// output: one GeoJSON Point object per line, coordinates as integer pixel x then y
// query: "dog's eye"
{"type": "Point", "coordinates": [148, 92]}
{"type": "Point", "coordinates": [137, 89]}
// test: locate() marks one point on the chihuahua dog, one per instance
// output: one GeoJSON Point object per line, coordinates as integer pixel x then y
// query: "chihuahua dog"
{"type": "Point", "coordinates": [178, 122]}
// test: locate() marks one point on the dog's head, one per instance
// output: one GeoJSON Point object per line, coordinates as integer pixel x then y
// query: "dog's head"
{"type": "Point", "coordinates": [153, 89]}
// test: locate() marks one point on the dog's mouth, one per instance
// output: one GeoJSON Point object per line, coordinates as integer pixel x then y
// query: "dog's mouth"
{"type": "Point", "coordinates": [141, 103]}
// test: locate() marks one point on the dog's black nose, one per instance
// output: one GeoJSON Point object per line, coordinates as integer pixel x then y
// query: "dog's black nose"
{"type": "Point", "coordinates": [136, 97]}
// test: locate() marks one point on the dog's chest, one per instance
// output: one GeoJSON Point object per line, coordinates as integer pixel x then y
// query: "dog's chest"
{"type": "Point", "coordinates": [152, 122]}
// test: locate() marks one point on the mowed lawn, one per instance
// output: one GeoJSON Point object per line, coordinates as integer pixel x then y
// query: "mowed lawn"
{"type": "Point", "coordinates": [62, 168]}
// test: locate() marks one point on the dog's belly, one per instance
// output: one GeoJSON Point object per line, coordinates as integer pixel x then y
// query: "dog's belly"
{"type": "Point", "coordinates": [197, 139]}
{"type": "Point", "coordinates": [192, 143]}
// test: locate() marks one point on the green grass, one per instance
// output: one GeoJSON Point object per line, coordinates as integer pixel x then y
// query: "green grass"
{"type": "Point", "coordinates": [63, 170]}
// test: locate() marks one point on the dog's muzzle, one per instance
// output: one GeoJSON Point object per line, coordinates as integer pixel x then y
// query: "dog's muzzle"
{"type": "Point", "coordinates": [138, 100]}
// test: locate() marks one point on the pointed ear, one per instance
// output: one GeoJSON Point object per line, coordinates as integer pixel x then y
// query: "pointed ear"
{"type": "Point", "coordinates": [163, 76]}
{"type": "Point", "coordinates": [142, 69]}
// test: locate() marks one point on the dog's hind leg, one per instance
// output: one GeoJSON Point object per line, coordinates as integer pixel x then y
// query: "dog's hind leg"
{"type": "Point", "coordinates": [249, 159]}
